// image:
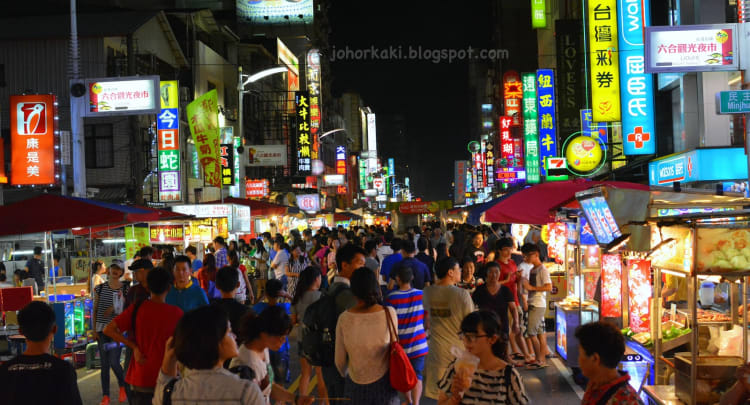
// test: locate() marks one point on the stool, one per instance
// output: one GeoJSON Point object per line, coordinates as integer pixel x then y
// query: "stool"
{"type": "Point", "coordinates": [92, 356]}
{"type": "Point", "coordinates": [17, 344]}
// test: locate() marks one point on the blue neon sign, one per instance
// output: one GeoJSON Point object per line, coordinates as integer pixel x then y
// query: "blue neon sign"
{"type": "Point", "coordinates": [592, 129]}
{"type": "Point", "coordinates": [545, 84]}
{"type": "Point", "coordinates": [717, 164]}
{"type": "Point", "coordinates": [636, 86]}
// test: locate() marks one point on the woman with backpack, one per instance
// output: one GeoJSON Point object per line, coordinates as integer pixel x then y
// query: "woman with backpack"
{"type": "Point", "coordinates": [109, 301]}
{"type": "Point", "coordinates": [363, 337]}
{"type": "Point", "coordinates": [308, 292]}
{"type": "Point", "coordinates": [259, 334]}
{"type": "Point", "coordinates": [202, 341]}
{"type": "Point", "coordinates": [297, 262]}
{"type": "Point", "coordinates": [494, 381]}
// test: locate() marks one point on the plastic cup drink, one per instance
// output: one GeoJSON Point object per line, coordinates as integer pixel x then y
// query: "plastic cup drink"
{"type": "Point", "coordinates": [465, 367]}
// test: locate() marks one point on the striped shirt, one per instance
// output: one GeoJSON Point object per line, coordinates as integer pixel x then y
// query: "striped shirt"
{"type": "Point", "coordinates": [489, 387]}
{"type": "Point", "coordinates": [411, 335]}
{"type": "Point", "coordinates": [105, 297]}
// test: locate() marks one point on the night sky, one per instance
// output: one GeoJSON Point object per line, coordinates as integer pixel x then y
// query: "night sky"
{"type": "Point", "coordinates": [432, 96]}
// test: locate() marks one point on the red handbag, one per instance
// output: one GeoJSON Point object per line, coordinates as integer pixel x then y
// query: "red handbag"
{"type": "Point", "coordinates": [403, 377]}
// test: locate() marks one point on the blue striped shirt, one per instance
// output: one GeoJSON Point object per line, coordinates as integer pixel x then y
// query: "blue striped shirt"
{"type": "Point", "coordinates": [411, 335]}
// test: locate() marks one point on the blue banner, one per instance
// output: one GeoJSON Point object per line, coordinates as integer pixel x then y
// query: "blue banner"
{"type": "Point", "coordinates": [545, 80]}
{"type": "Point", "coordinates": [592, 129]}
{"type": "Point", "coordinates": [636, 86]}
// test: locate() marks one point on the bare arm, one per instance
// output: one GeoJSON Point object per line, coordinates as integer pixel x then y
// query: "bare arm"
{"type": "Point", "coordinates": [113, 331]}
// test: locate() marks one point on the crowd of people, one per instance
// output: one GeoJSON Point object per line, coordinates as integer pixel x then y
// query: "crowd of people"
{"type": "Point", "coordinates": [197, 329]}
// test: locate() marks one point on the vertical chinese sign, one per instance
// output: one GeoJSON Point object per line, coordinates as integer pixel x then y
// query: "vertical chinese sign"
{"type": "Point", "coordinates": [637, 87]}
{"type": "Point", "coordinates": [33, 128]}
{"type": "Point", "coordinates": [304, 153]}
{"type": "Point", "coordinates": [538, 14]}
{"type": "Point", "coordinates": [605, 72]}
{"type": "Point", "coordinates": [313, 86]}
{"type": "Point", "coordinates": [512, 95]}
{"type": "Point", "coordinates": [203, 117]}
{"type": "Point", "coordinates": [570, 75]}
{"type": "Point", "coordinates": [362, 173]}
{"type": "Point", "coordinates": [597, 130]}
{"type": "Point", "coordinates": [639, 293]}
{"type": "Point", "coordinates": [168, 142]}
{"type": "Point", "coordinates": [341, 167]}
{"type": "Point", "coordinates": [227, 164]}
{"type": "Point", "coordinates": [506, 142]}
{"type": "Point", "coordinates": [545, 80]}
{"type": "Point", "coordinates": [530, 134]}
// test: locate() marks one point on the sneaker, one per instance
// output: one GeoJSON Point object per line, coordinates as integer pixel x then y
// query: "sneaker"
{"type": "Point", "coordinates": [105, 400]}
{"type": "Point", "coordinates": [123, 395]}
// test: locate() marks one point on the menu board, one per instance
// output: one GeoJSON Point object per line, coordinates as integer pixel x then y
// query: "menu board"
{"type": "Point", "coordinates": [600, 219]}
{"type": "Point", "coordinates": [674, 256]}
{"type": "Point", "coordinates": [723, 249]}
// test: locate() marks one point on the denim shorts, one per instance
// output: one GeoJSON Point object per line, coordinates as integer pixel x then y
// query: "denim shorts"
{"type": "Point", "coordinates": [418, 366]}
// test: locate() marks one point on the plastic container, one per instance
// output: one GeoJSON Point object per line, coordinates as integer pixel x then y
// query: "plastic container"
{"type": "Point", "coordinates": [706, 294]}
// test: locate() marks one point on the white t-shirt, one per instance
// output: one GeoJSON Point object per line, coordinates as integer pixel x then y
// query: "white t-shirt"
{"type": "Point", "coordinates": [525, 269]}
{"type": "Point", "coordinates": [538, 277]}
{"type": "Point", "coordinates": [282, 261]}
{"type": "Point", "coordinates": [259, 363]}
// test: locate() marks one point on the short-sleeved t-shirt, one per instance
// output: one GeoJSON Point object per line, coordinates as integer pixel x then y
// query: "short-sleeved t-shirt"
{"type": "Point", "coordinates": [36, 271]}
{"type": "Point", "coordinates": [446, 306]}
{"type": "Point", "coordinates": [421, 273]}
{"type": "Point", "coordinates": [282, 261]}
{"type": "Point", "coordinates": [388, 263]}
{"type": "Point", "coordinates": [155, 323]}
{"type": "Point", "coordinates": [510, 269]}
{"type": "Point", "coordinates": [497, 303]}
{"type": "Point", "coordinates": [300, 307]}
{"type": "Point", "coordinates": [42, 379]}
{"type": "Point", "coordinates": [538, 277]}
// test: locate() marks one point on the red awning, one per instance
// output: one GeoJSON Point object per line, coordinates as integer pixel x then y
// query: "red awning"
{"type": "Point", "coordinates": [101, 231]}
{"type": "Point", "coordinates": [259, 208]}
{"type": "Point", "coordinates": [536, 204]}
{"type": "Point", "coordinates": [49, 212]}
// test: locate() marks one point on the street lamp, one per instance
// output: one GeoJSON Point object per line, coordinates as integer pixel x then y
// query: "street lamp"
{"type": "Point", "coordinates": [330, 132]}
{"type": "Point", "coordinates": [242, 81]}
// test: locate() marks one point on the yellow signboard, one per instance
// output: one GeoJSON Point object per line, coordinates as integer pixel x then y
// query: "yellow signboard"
{"type": "Point", "coordinates": [169, 94]}
{"type": "Point", "coordinates": [203, 118]}
{"type": "Point", "coordinates": [583, 154]}
{"type": "Point", "coordinates": [604, 59]}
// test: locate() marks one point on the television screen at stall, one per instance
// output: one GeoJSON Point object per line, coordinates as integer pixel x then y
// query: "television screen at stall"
{"type": "Point", "coordinates": [599, 217]}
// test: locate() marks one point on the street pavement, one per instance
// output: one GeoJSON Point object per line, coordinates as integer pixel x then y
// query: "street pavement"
{"type": "Point", "coordinates": [549, 386]}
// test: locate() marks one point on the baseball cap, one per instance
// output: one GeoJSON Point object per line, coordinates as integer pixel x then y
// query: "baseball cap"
{"type": "Point", "coordinates": [117, 263]}
{"type": "Point", "coordinates": [141, 264]}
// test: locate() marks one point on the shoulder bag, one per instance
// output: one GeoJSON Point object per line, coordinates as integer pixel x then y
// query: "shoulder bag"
{"type": "Point", "coordinates": [402, 375]}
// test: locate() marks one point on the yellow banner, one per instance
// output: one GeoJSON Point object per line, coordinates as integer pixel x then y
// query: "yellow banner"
{"type": "Point", "coordinates": [135, 239]}
{"type": "Point", "coordinates": [604, 59]}
{"type": "Point", "coordinates": [168, 94]}
{"type": "Point", "coordinates": [203, 117]}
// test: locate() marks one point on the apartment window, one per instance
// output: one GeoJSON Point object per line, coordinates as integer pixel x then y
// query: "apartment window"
{"type": "Point", "coordinates": [100, 152]}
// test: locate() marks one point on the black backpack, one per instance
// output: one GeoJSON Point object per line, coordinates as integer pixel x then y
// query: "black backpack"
{"type": "Point", "coordinates": [319, 336]}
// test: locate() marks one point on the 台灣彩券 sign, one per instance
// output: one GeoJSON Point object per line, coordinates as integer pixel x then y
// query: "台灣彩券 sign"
{"type": "Point", "coordinates": [203, 118]}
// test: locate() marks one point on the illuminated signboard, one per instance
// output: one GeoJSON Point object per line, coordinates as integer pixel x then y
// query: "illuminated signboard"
{"type": "Point", "coordinates": [583, 154]}
{"type": "Point", "coordinates": [203, 118]}
{"type": "Point", "coordinates": [611, 286]}
{"type": "Point", "coordinates": [530, 134]}
{"type": "Point", "coordinates": [510, 174]}
{"type": "Point", "coordinates": [596, 130]}
{"type": "Point", "coordinates": [168, 142]}
{"type": "Point", "coordinates": [234, 191]}
{"type": "Point", "coordinates": [538, 14]}
{"type": "Point", "coordinates": [166, 234]}
{"type": "Point", "coordinates": [372, 144]}
{"type": "Point", "coordinates": [362, 173]}
{"type": "Point", "coordinates": [600, 218]}
{"type": "Point", "coordinates": [304, 159]}
{"type": "Point", "coordinates": [334, 180]}
{"type": "Point", "coordinates": [313, 86]}
{"type": "Point", "coordinates": [256, 188]}
{"type": "Point", "coordinates": [459, 185]}
{"type": "Point", "coordinates": [699, 165]}
{"type": "Point", "coordinates": [205, 210]}
{"type": "Point", "coordinates": [604, 64]}
{"type": "Point", "coordinates": [639, 295]}
{"type": "Point", "coordinates": [227, 164]}
{"type": "Point", "coordinates": [490, 163]}
{"type": "Point", "coordinates": [33, 126]}
{"type": "Point", "coordinates": [341, 159]}
{"type": "Point", "coordinates": [571, 94]}
{"type": "Point", "coordinates": [512, 94]}
{"type": "Point", "coordinates": [545, 80]}
{"type": "Point", "coordinates": [266, 155]}
{"type": "Point", "coordinates": [637, 87]}
{"type": "Point", "coordinates": [281, 12]}
{"type": "Point", "coordinates": [122, 96]}
{"type": "Point", "coordinates": [478, 170]}
{"type": "Point", "coordinates": [506, 142]}
{"type": "Point", "coordinates": [691, 48]}
{"type": "Point", "coordinates": [392, 167]}
{"type": "Point", "coordinates": [286, 57]}
{"type": "Point", "coordinates": [308, 202]}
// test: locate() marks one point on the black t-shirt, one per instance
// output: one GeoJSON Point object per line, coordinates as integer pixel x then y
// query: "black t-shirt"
{"type": "Point", "coordinates": [38, 380]}
{"type": "Point", "coordinates": [235, 311]}
{"type": "Point", "coordinates": [497, 303]}
{"type": "Point", "coordinates": [36, 270]}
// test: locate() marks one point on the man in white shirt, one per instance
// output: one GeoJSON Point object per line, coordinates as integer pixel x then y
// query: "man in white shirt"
{"type": "Point", "coordinates": [384, 247]}
{"type": "Point", "coordinates": [280, 263]}
{"type": "Point", "coordinates": [538, 283]}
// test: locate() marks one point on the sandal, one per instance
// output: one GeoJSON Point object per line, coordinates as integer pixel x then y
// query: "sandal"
{"type": "Point", "coordinates": [536, 366]}
{"type": "Point", "coordinates": [518, 356]}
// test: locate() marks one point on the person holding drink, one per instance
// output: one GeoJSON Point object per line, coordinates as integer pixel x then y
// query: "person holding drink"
{"type": "Point", "coordinates": [482, 376]}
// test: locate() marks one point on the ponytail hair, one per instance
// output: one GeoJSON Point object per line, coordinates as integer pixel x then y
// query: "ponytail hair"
{"type": "Point", "coordinates": [364, 286]}
{"type": "Point", "coordinates": [492, 327]}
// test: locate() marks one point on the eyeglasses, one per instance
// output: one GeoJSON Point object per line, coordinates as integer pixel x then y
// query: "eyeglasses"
{"type": "Point", "coordinates": [470, 337]}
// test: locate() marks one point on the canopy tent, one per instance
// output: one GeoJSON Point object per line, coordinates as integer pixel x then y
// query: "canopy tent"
{"type": "Point", "coordinates": [475, 211]}
{"type": "Point", "coordinates": [260, 208]}
{"type": "Point", "coordinates": [101, 231]}
{"type": "Point", "coordinates": [345, 216]}
{"type": "Point", "coordinates": [47, 212]}
{"type": "Point", "coordinates": [536, 204]}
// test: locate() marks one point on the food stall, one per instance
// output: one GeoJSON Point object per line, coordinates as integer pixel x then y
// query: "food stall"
{"type": "Point", "coordinates": [701, 249]}
{"type": "Point", "coordinates": [212, 220]}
